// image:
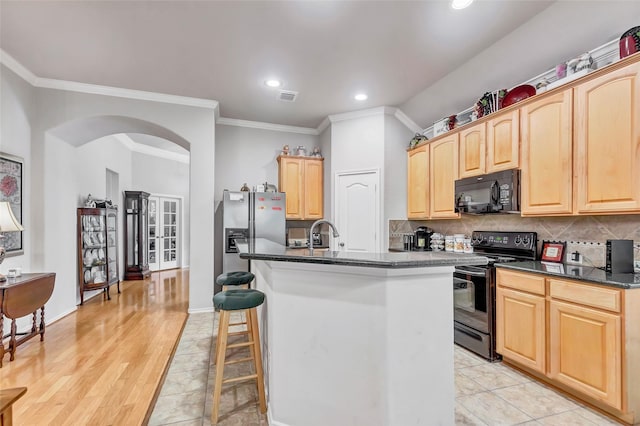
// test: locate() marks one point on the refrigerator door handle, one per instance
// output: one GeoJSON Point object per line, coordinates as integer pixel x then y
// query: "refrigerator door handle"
{"type": "Point", "coordinates": [252, 215]}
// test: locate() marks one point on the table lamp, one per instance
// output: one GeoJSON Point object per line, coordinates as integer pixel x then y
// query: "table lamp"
{"type": "Point", "coordinates": [8, 223]}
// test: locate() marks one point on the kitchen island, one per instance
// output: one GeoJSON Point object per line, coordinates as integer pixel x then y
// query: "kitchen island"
{"type": "Point", "coordinates": [355, 338]}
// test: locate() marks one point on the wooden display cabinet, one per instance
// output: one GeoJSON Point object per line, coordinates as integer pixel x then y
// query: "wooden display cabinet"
{"type": "Point", "coordinates": [136, 231]}
{"type": "Point", "coordinates": [97, 250]}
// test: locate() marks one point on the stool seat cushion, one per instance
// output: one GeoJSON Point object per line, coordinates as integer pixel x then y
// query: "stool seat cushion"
{"type": "Point", "coordinates": [235, 278]}
{"type": "Point", "coordinates": [233, 300]}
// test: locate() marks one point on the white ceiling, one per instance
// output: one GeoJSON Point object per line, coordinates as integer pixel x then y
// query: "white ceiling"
{"type": "Point", "coordinates": [223, 50]}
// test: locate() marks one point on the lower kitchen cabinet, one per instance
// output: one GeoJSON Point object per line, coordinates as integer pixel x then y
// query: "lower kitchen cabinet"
{"type": "Point", "coordinates": [581, 337]}
{"type": "Point", "coordinates": [520, 318]}
{"type": "Point", "coordinates": [520, 327]}
{"type": "Point", "coordinates": [586, 351]}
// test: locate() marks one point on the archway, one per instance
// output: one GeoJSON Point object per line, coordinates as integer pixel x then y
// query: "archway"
{"type": "Point", "coordinates": [64, 169]}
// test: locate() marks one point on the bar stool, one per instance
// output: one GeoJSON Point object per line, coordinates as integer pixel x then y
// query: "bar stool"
{"type": "Point", "coordinates": [235, 279]}
{"type": "Point", "coordinates": [236, 300]}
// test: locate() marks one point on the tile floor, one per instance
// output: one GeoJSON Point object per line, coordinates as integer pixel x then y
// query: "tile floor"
{"type": "Point", "coordinates": [486, 394]}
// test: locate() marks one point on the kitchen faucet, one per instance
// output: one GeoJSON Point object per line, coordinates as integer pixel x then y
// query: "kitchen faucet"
{"type": "Point", "coordinates": [316, 223]}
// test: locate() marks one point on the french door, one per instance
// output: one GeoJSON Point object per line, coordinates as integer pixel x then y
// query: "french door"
{"type": "Point", "coordinates": [164, 232]}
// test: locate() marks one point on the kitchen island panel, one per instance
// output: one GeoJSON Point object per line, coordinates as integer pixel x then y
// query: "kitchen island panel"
{"type": "Point", "coordinates": [357, 345]}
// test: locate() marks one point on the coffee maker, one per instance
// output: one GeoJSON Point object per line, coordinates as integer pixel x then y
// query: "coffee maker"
{"type": "Point", "coordinates": [422, 239]}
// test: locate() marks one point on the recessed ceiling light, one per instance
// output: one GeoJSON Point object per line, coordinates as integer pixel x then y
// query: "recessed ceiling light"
{"type": "Point", "coordinates": [360, 97]}
{"type": "Point", "coordinates": [273, 83]}
{"type": "Point", "coordinates": [460, 4]}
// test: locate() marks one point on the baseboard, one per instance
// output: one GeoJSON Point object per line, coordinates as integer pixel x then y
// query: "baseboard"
{"type": "Point", "coordinates": [50, 321]}
{"type": "Point", "coordinates": [200, 310]}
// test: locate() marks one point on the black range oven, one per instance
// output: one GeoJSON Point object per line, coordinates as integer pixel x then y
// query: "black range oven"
{"type": "Point", "coordinates": [474, 288]}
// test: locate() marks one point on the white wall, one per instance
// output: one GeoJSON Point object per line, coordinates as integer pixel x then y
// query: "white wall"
{"type": "Point", "coordinates": [358, 144]}
{"type": "Point", "coordinates": [166, 177]}
{"type": "Point", "coordinates": [396, 141]}
{"type": "Point", "coordinates": [562, 31]}
{"type": "Point", "coordinates": [17, 106]}
{"type": "Point", "coordinates": [45, 110]}
{"type": "Point", "coordinates": [325, 147]}
{"type": "Point", "coordinates": [249, 155]}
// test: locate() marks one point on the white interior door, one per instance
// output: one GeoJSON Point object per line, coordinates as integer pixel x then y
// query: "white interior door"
{"type": "Point", "coordinates": [358, 211]}
{"type": "Point", "coordinates": [164, 233]}
{"type": "Point", "coordinates": [154, 232]}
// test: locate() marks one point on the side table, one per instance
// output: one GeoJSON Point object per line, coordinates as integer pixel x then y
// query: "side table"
{"type": "Point", "coordinates": [20, 297]}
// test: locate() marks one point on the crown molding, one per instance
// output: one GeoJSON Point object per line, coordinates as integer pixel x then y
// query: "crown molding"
{"type": "Point", "coordinates": [384, 110]}
{"type": "Point", "coordinates": [267, 126]}
{"type": "Point", "coordinates": [359, 114]}
{"type": "Point", "coordinates": [73, 86]}
{"type": "Point", "coordinates": [15, 66]}
{"type": "Point", "coordinates": [325, 123]}
{"type": "Point", "coordinates": [404, 119]}
{"type": "Point", "coordinates": [149, 150]}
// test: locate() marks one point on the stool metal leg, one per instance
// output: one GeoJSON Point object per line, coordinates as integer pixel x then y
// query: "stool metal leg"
{"type": "Point", "coordinates": [220, 355]}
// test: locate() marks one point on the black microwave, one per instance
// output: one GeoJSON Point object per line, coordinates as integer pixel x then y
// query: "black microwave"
{"type": "Point", "coordinates": [491, 193]}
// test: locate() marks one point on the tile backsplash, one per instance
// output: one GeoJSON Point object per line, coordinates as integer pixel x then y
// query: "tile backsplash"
{"type": "Point", "coordinates": [586, 234]}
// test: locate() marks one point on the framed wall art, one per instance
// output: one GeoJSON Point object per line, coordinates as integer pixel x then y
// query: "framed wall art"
{"type": "Point", "coordinates": [11, 173]}
{"type": "Point", "coordinates": [552, 251]}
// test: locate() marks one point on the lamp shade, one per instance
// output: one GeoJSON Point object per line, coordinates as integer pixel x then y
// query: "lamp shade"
{"type": "Point", "coordinates": [8, 222]}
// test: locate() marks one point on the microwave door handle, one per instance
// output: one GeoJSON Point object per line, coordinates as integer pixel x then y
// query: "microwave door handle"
{"type": "Point", "coordinates": [495, 193]}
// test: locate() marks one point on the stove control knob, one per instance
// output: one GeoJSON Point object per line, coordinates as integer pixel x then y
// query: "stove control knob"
{"type": "Point", "coordinates": [518, 240]}
{"type": "Point", "coordinates": [526, 241]}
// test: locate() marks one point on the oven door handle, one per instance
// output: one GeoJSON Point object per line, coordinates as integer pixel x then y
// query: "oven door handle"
{"type": "Point", "coordinates": [472, 273]}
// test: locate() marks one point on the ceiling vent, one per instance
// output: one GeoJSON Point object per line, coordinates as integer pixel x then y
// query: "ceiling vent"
{"type": "Point", "coordinates": [287, 96]}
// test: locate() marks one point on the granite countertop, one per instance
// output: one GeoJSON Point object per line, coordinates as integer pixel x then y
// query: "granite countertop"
{"type": "Point", "coordinates": [577, 272]}
{"type": "Point", "coordinates": [262, 249]}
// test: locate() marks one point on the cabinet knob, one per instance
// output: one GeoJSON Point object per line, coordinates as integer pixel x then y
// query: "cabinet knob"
{"type": "Point", "coordinates": [341, 244]}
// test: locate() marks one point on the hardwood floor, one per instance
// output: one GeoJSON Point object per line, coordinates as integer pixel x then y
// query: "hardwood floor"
{"type": "Point", "coordinates": [103, 364]}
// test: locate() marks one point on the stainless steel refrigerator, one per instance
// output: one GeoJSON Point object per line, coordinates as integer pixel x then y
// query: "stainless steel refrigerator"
{"type": "Point", "coordinates": [250, 215]}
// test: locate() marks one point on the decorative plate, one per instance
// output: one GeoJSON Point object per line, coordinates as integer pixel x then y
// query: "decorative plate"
{"type": "Point", "coordinates": [518, 94]}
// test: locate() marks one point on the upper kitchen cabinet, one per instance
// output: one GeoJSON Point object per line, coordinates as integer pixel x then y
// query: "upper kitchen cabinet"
{"type": "Point", "coordinates": [607, 142]}
{"type": "Point", "coordinates": [418, 183]}
{"type": "Point", "coordinates": [546, 131]}
{"type": "Point", "coordinates": [491, 146]}
{"type": "Point", "coordinates": [503, 142]}
{"type": "Point", "coordinates": [301, 178]}
{"type": "Point", "coordinates": [472, 151]}
{"type": "Point", "coordinates": [443, 172]}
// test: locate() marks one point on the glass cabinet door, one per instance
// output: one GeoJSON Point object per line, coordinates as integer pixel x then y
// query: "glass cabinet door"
{"type": "Point", "coordinates": [112, 247]}
{"type": "Point", "coordinates": [97, 249]}
{"type": "Point", "coordinates": [153, 233]}
{"type": "Point", "coordinates": [94, 249]}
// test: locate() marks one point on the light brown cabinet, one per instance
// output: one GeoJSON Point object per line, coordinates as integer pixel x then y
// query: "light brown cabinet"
{"type": "Point", "coordinates": [472, 151]}
{"type": "Point", "coordinates": [491, 146]}
{"type": "Point", "coordinates": [579, 336]}
{"type": "Point", "coordinates": [586, 350]}
{"type": "Point", "coordinates": [432, 169]}
{"type": "Point", "coordinates": [503, 142]}
{"type": "Point", "coordinates": [302, 178]}
{"type": "Point", "coordinates": [443, 172]}
{"type": "Point", "coordinates": [546, 130]}
{"type": "Point", "coordinates": [520, 319]}
{"type": "Point", "coordinates": [418, 183]}
{"type": "Point", "coordinates": [607, 142]}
